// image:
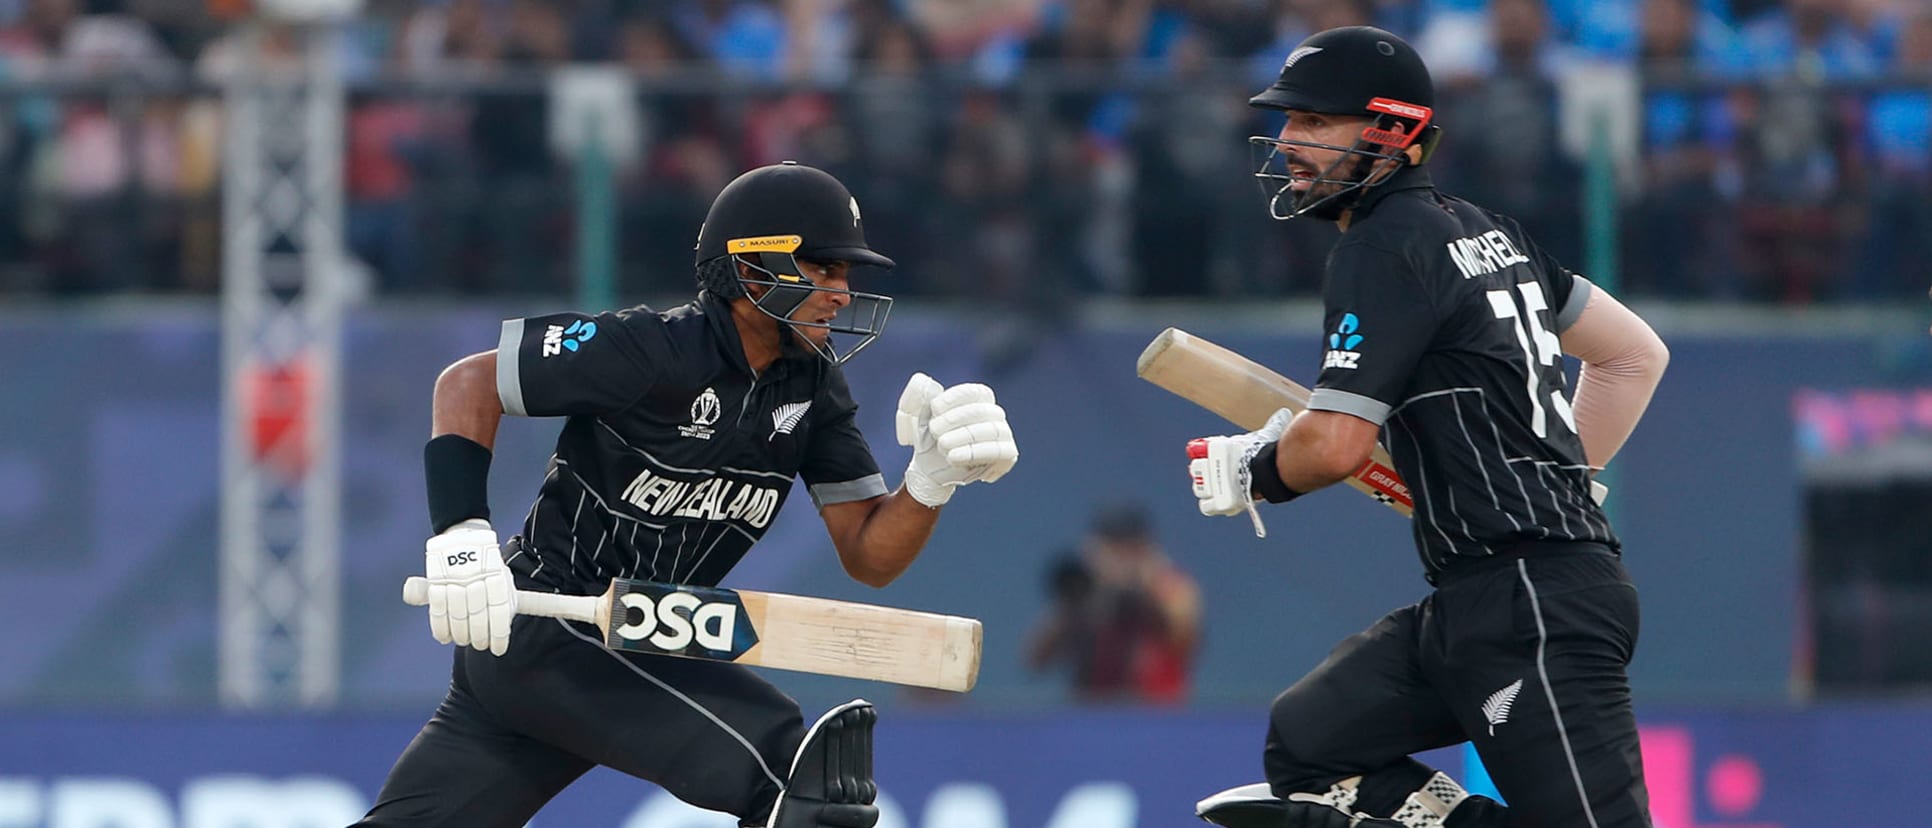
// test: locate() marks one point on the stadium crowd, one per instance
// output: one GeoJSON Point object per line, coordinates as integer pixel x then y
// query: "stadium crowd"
{"type": "Point", "coordinates": [1033, 151]}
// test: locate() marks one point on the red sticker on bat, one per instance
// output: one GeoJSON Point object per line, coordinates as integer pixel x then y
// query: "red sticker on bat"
{"type": "Point", "coordinates": [1384, 479]}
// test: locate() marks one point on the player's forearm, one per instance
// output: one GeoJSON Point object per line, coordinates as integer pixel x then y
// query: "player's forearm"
{"type": "Point", "coordinates": [888, 540]}
{"type": "Point", "coordinates": [1623, 360]}
{"type": "Point", "coordinates": [1322, 448]}
{"type": "Point", "coordinates": [465, 402]}
{"type": "Point", "coordinates": [464, 411]}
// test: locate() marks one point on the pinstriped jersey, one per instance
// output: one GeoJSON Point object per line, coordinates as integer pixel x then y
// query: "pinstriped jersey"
{"type": "Point", "coordinates": [1441, 323]}
{"type": "Point", "coordinates": [674, 456]}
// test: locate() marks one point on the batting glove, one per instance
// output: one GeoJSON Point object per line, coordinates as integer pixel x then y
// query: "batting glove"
{"type": "Point", "coordinates": [958, 435]}
{"type": "Point", "coordinates": [1218, 468]}
{"type": "Point", "coordinates": [471, 596]}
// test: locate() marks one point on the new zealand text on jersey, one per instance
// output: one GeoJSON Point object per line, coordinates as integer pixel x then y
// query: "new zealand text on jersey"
{"type": "Point", "coordinates": [713, 498]}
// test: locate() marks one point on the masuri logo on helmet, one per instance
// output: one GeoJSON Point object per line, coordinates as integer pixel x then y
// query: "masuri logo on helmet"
{"type": "Point", "coordinates": [764, 244]}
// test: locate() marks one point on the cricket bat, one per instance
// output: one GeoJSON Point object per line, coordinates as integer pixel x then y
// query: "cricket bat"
{"type": "Point", "coordinates": [1246, 393]}
{"type": "Point", "coordinates": [767, 629]}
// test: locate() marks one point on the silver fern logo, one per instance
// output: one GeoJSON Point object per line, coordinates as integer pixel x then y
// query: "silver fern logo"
{"type": "Point", "coordinates": [1295, 56]}
{"type": "Point", "coordinates": [1496, 710]}
{"type": "Point", "coordinates": [786, 417]}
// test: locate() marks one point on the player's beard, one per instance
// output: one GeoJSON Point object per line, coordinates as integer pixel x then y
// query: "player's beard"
{"type": "Point", "coordinates": [1331, 207]}
{"type": "Point", "coordinates": [791, 341]}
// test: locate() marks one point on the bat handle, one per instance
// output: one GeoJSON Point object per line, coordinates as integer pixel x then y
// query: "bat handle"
{"type": "Point", "coordinates": [549, 605]}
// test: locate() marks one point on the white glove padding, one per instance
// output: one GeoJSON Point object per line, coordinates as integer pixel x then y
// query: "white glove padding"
{"type": "Point", "coordinates": [958, 435]}
{"type": "Point", "coordinates": [1218, 469]}
{"type": "Point", "coordinates": [471, 595]}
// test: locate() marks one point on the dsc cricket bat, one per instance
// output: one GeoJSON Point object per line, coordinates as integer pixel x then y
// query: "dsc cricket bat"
{"type": "Point", "coordinates": [768, 629]}
{"type": "Point", "coordinates": [1247, 394]}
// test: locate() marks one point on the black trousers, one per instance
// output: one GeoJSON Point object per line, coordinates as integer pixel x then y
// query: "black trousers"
{"type": "Point", "coordinates": [1524, 655]}
{"type": "Point", "coordinates": [515, 730]}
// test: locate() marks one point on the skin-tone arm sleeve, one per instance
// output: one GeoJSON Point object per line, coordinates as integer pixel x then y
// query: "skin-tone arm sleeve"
{"type": "Point", "coordinates": [878, 538]}
{"type": "Point", "coordinates": [1623, 360]}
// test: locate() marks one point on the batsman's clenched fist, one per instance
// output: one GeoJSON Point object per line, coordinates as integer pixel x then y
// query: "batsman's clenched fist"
{"type": "Point", "coordinates": [471, 596]}
{"type": "Point", "coordinates": [1218, 468]}
{"type": "Point", "coordinates": [958, 435]}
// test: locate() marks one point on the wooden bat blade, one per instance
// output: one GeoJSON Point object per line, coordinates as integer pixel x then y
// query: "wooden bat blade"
{"type": "Point", "coordinates": [816, 635]}
{"type": "Point", "coordinates": [769, 629]}
{"type": "Point", "coordinates": [1246, 393]}
{"type": "Point", "coordinates": [1217, 379]}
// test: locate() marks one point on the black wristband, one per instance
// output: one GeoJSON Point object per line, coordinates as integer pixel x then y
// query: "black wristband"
{"type": "Point", "coordinates": [1267, 479]}
{"type": "Point", "coordinates": [456, 470]}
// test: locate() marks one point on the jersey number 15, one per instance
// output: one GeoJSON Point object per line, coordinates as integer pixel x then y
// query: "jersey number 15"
{"type": "Point", "coordinates": [1540, 347]}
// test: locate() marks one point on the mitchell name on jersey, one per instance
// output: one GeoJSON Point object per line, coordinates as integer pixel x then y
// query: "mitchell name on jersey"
{"type": "Point", "coordinates": [1484, 254]}
{"type": "Point", "coordinates": [710, 498]}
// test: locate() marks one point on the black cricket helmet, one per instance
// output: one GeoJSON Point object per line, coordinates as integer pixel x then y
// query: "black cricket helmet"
{"type": "Point", "coordinates": [768, 219]}
{"type": "Point", "coordinates": [1352, 70]}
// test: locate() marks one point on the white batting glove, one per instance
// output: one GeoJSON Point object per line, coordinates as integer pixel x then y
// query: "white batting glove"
{"type": "Point", "coordinates": [1218, 469]}
{"type": "Point", "coordinates": [958, 435]}
{"type": "Point", "coordinates": [471, 595]}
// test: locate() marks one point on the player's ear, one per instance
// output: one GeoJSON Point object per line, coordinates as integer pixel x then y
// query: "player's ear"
{"type": "Point", "coordinates": [1420, 151]}
{"type": "Point", "coordinates": [748, 279]}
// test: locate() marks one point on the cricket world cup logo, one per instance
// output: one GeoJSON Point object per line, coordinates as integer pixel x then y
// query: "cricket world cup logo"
{"type": "Point", "coordinates": [705, 411]}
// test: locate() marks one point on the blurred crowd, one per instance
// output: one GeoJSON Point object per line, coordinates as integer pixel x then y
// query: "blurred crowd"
{"type": "Point", "coordinates": [1123, 620]}
{"type": "Point", "coordinates": [1027, 151]}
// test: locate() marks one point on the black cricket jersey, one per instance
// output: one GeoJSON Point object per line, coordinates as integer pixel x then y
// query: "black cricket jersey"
{"type": "Point", "coordinates": [1441, 323]}
{"type": "Point", "coordinates": [674, 457]}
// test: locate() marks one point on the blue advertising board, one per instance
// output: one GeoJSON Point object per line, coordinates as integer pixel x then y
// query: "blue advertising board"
{"type": "Point", "coordinates": [1806, 768]}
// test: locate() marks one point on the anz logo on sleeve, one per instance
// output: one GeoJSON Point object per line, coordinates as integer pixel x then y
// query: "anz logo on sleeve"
{"type": "Point", "coordinates": [558, 338]}
{"type": "Point", "coordinates": [1341, 344]}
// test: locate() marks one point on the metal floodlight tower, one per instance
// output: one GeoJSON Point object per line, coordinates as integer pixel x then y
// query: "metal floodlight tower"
{"type": "Point", "coordinates": [282, 311]}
